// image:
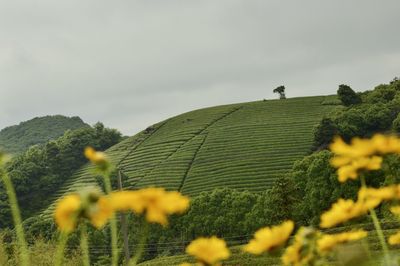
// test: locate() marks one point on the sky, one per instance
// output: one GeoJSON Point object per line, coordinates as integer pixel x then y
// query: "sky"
{"type": "Point", "coordinates": [131, 63]}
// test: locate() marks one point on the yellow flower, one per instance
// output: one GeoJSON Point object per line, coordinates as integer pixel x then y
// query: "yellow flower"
{"type": "Point", "coordinates": [88, 205]}
{"type": "Point", "coordinates": [67, 211]}
{"type": "Point", "coordinates": [95, 157]}
{"type": "Point", "coordinates": [378, 144]}
{"type": "Point", "coordinates": [383, 193]}
{"type": "Point", "coordinates": [395, 210]}
{"type": "Point", "coordinates": [362, 154]}
{"type": "Point", "coordinates": [328, 242]}
{"type": "Point", "coordinates": [350, 171]}
{"type": "Point", "coordinates": [208, 250]}
{"type": "Point", "coordinates": [357, 148]}
{"type": "Point", "coordinates": [294, 254]}
{"type": "Point", "coordinates": [386, 144]}
{"type": "Point", "coordinates": [155, 202]}
{"type": "Point", "coordinates": [344, 210]}
{"type": "Point", "coordinates": [125, 200]}
{"type": "Point", "coordinates": [269, 238]}
{"type": "Point", "coordinates": [394, 239]}
{"type": "Point", "coordinates": [101, 212]}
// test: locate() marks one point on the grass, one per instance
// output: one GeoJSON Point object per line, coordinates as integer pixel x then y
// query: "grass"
{"type": "Point", "coordinates": [241, 146]}
{"type": "Point", "coordinates": [240, 258]}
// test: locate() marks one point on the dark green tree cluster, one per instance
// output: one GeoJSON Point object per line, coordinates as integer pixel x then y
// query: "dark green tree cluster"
{"type": "Point", "coordinates": [347, 96]}
{"type": "Point", "coordinates": [42, 169]}
{"type": "Point", "coordinates": [39, 130]}
{"type": "Point", "coordinates": [377, 112]}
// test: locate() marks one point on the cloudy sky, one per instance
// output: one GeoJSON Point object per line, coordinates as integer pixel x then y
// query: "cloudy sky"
{"type": "Point", "coordinates": [131, 63]}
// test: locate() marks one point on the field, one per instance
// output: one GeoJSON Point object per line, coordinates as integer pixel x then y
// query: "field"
{"type": "Point", "coordinates": [241, 146]}
{"type": "Point", "coordinates": [240, 258]}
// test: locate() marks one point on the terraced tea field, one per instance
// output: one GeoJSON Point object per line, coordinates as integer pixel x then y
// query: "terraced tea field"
{"type": "Point", "coordinates": [241, 146]}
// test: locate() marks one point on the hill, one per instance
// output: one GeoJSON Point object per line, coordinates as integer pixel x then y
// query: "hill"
{"type": "Point", "coordinates": [241, 146]}
{"type": "Point", "coordinates": [18, 138]}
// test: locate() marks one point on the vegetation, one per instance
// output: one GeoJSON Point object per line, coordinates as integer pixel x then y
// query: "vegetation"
{"type": "Point", "coordinates": [347, 95]}
{"type": "Point", "coordinates": [320, 247]}
{"type": "Point", "coordinates": [377, 112]}
{"type": "Point", "coordinates": [243, 146]}
{"type": "Point", "coordinates": [281, 91]}
{"type": "Point", "coordinates": [39, 130]}
{"type": "Point", "coordinates": [41, 170]}
{"type": "Point", "coordinates": [210, 155]}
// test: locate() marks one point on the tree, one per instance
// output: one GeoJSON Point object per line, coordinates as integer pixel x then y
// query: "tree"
{"type": "Point", "coordinates": [347, 95]}
{"type": "Point", "coordinates": [281, 91]}
{"type": "Point", "coordinates": [324, 133]}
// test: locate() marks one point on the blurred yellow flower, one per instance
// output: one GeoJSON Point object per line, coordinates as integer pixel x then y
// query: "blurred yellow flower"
{"type": "Point", "coordinates": [208, 250]}
{"type": "Point", "coordinates": [73, 207]}
{"type": "Point", "coordinates": [96, 157]}
{"type": "Point", "coordinates": [344, 210]}
{"type": "Point", "coordinates": [395, 210]}
{"type": "Point", "coordinates": [351, 170]}
{"type": "Point", "coordinates": [100, 212]}
{"type": "Point", "coordinates": [155, 202]}
{"type": "Point", "coordinates": [378, 144]}
{"type": "Point", "coordinates": [386, 144]}
{"type": "Point", "coordinates": [67, 211]}
{"type": "Point", "coordinates": [328, 242]}
{"type": "Point", "coordinates": [382, 193]}
{"type": "Point", "coordinates": [361, 154]}
{"type": "Point", "coordinates": [394, 239]}
{"type": "Point", "coordinates": [269, 238]}
{"type": "Point", "coordinates": [294, 254]}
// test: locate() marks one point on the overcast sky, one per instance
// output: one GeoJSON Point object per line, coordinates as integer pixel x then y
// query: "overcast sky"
{"type": "Point", "coordinates": [133, 63]}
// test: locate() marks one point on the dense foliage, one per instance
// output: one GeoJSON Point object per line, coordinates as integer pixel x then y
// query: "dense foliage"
{"type": "Point", "coordinates": [378, 112]}
{"type": "Point", "coordinates": [347, 96]}
{"type": "Point", "coordinates": [39, 130]}
{"type": "Point", "coordinates": [41, 170]}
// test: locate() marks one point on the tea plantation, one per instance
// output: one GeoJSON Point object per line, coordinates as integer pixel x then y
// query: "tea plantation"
{"type": "Point", "coordinates": [241, 146]}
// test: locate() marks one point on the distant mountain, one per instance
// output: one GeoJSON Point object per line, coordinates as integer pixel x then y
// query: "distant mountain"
{"type": "Point", "coordinates": [18, 138]}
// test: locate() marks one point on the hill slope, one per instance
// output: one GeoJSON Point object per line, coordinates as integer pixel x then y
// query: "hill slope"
{"type": "Point", "coordinates": [18, 138]}
{"type": "Point", "coordinates": [242, 146]}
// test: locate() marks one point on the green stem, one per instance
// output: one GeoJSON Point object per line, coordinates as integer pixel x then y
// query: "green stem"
{"type": "Point", "coordinates": [141, 245]}
{"type": "Point", "coordinates": [23, 247]}
{"type": "Point", "coordinates": [85, 245]}
{"type": "Point", "coordinates": [113, 224]}
{"type": "Point", "coordinates": [381, 237]}
{"type": "Point", "coordinates": [378, 227]}
{"type": "Point", "coordinates": [62, 242]}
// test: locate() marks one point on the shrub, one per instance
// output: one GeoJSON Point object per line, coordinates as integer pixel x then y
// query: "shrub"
{"type": "Point", "coordinates": [324, 133]}
{"type": "Point", "coordinates": [348, 96]}
{"type": "Point", "coordinates": [396, 124]}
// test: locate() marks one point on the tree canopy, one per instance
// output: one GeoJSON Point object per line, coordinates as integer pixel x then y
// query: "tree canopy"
{"type": "Point", "coordinates": [39, 130]}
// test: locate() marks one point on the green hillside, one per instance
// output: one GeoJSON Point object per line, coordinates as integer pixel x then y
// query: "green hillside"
{"type": "Point", "coordinates": [242, 146]}
{"type": "Point", "coordinates": [18, 138]}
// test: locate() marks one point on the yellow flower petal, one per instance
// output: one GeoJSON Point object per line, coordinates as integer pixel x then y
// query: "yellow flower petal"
{"type": "Point", "coordinates": [208, 250]}
{"type": "Point", "coordinates": [394, 239]}
{"type": "Point", "coordinates": [66, 212]}
{"type": "Point", "coordinates": [269, 238]}
{"type": "Point", "coordinates": [328, 242]}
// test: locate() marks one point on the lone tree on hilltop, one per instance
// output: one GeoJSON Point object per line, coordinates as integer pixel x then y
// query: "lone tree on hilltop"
{"type": "Point", "coordinates": [347, 95]}
{"type": "Point", "coordinates": [281, 91]}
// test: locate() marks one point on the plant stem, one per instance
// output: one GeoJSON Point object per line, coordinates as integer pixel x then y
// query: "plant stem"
{"type": "Point", "coordinates": [378, 227]}
{"type": "Point", "coordinates": [113, 224]}
{"type": "Point", "coordinates": [62, 241]}
{"type": "Point", "coordinates": [381, 237]}
{"type": "Point", "coordinates": [23, 247]}
{"type": "Point", "coordinates": [85, 245]}
{"type": "Point", "coordinates": [141, 244]}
